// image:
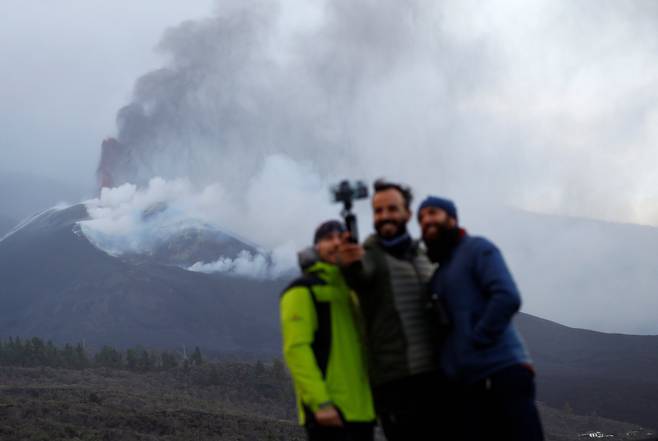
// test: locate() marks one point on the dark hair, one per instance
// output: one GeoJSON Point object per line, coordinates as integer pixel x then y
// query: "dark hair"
{"type": "Point", "coordinates": [383, 185]}
{"type": "Point", "coordinates": [326, 228]}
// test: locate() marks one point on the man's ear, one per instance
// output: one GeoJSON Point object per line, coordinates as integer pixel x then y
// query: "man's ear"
{"type": "Point", "coordinates": [453, 222]}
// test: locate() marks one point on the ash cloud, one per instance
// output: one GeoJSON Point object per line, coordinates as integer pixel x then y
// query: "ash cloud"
{"type": "Point", "coordinates": [548, 106]}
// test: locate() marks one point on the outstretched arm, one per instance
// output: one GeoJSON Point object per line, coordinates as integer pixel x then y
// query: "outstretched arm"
{"type": "Point", "coordinates": [356, 265]}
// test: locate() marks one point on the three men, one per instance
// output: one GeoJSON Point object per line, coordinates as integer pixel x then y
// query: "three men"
{"type": "Point", "coordinates": [323, 348]}
{"type": "Point", "coordinates": [483, 352]}
{"type": "Point", "coordinates": [473, 381]}
{"type": "Point", "coordinates": [390, 274]}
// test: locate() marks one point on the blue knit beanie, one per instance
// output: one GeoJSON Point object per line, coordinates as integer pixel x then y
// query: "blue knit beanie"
{"type": "Point", "coordinates": [444, 204]}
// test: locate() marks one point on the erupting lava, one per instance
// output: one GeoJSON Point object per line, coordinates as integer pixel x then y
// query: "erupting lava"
{"type": "Point", "coordinates": [113, 153]}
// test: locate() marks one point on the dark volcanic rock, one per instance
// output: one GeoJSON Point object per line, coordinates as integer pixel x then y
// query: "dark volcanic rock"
{"type": "Point", "coordinates": [612, 375]}
{"type": "Point", "coordinates": [57, 285]}
{"type": "Point", "coordinates": [217, 401]}
{"type": "Point", "coordinates": [192, 245]}
{"type": "Point", "coordinates": [47, 404]}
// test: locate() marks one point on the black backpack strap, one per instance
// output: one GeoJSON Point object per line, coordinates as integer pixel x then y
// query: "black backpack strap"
{"type": "Point", "coordinates": [322, 339]}
{"type": "Point", "coordinates": [307, 280]}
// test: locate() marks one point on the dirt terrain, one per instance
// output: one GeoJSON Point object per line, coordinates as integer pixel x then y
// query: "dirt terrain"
{"type": "Point", "coordinates": [216, 401]}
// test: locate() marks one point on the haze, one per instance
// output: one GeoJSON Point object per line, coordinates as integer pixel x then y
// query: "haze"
{"type": "Point", "coordinates": [546, 106]}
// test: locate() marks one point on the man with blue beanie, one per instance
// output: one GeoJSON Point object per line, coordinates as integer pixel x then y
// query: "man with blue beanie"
{"type": "Point", "coordinates": [482, 351]}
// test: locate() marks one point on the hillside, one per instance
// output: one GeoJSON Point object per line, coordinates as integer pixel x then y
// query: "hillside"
{"type": "Point", "coordinates": [57, 285]}
{"type": "Point", "coordinates": [231, 402]}
{"type": "Point", "coordinates": [217, 401]}
{"type": "Point", "coordinates": [6, 223]}
{"type": "Point", "coordinates": [579, 272]}
{"type": "Point", "coordinates": [614, 375]}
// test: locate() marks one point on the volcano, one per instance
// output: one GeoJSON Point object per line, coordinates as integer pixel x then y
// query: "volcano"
{"type": "Point", "coordinates": [594, 373]}
{"type": "Point", "coordinates": [57, 285]}
{"type": "Point", "coordinates": [6, 223]}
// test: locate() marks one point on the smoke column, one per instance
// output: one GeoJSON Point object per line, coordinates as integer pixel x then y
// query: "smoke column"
{"type": "Point", "coordinates": [548, 106]}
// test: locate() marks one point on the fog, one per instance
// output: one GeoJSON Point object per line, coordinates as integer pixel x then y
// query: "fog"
{"type": "Point", "coordinates": [66, 67]}
{"type": "Point", "coordinates": [547, 106]}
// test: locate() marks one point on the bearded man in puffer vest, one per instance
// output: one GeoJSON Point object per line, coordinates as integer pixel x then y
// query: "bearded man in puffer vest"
{"type": "Point", "coordinates": [390, 273]}
{"type": "Point", "coordinates": [322, 346]}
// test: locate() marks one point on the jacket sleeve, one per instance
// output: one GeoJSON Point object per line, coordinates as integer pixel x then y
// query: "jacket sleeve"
{"type": "Point", "coordinates": [298, 325]}
{"type": "Point", "coordinates": [503, 298]}
{"type": "Point", "coordinates": [359, 275]}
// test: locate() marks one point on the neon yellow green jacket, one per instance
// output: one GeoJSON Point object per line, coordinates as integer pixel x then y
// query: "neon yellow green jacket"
{"type": "Point", "coordinates": [322, 344]}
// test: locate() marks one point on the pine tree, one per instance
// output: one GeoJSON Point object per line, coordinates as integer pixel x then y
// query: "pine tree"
{"type": "Point", "coordinates": [131, 359]}
{"type": "Point", "coordinates": [109, 357]}
{"type": "Point", "coordinates": [17, 352]}
{"type": "Point", "coordinates": [197, 358]}
{"type": "Point", "coordinates": [53, 356]}
{"type": "Point", "coordinates": [69, 357]}
{"type": "Point", "coordinates": [169, 360]}
{"type": "Point", "coordinates": [145, 361]}
{"type": "Point", "coordinates": [81, 361]}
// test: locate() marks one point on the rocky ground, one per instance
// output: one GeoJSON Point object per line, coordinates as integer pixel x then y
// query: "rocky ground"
{"type": "Point", "coordinates": [217, 401]}
{"type": "Point", "coordinates": [242, 402]}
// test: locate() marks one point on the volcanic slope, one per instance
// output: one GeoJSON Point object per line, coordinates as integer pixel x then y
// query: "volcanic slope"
{"type": "Point", "coordinates": [215, 401]}
{"type": "Point", "coordinates": [580, 272]}
{"type": "Point", "coordinates": [6, 223]}
{"type": "Point", "coordinates": [611, 375]}
{"type": "Point", "coordinates": [57, 285]}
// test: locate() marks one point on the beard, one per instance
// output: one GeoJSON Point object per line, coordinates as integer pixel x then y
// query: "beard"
{"type": "Point", "coordinates": [400, 229]}
{"type": "Point", "coordinates": [441, 242]}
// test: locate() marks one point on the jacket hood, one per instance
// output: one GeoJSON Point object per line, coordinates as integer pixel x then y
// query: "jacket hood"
{"type": "Point", "coordinates": [307, 257]}
{"type": "Point", "coordinates": [310, 262]}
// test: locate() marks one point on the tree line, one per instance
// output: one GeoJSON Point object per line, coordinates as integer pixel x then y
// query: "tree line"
{"type": "Point", "coordinates": [34, 352]}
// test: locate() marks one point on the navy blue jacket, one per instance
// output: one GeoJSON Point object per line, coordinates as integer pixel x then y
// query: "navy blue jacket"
{"type": "Point", "coordinates": [480, 297]}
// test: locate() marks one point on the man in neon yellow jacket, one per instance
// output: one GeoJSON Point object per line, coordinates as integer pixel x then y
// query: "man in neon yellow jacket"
{"type": "Point", "coordinates": [322, 346]}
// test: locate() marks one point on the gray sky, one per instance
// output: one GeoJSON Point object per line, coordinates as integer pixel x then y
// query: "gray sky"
{"type": "Point", "coordinates": [67, 67]}
{"type": "Point", "coordinates": [545, 105]}
{"type": "Point", "coordinates": [551, 103]}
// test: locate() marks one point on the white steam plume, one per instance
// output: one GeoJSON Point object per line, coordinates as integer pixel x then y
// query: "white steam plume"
{"type": "Point", "coordinates": [550, 105]}
{"type": "Point", "coordinates": [276, 213]}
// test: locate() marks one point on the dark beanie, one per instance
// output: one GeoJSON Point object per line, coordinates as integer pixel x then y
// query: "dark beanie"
{"type": "Point", "coordinates": [444, 204]}
{"type": "Point", "coordinates": [327, 228]}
